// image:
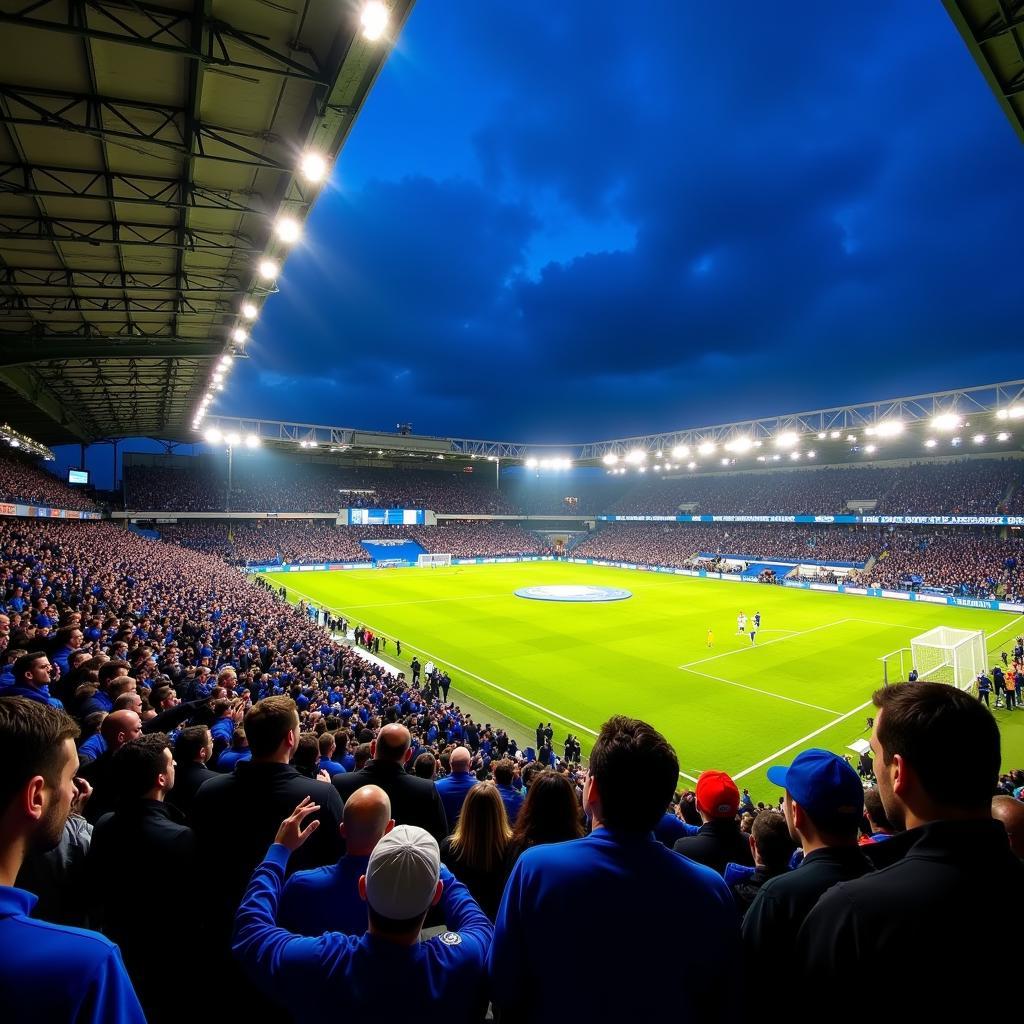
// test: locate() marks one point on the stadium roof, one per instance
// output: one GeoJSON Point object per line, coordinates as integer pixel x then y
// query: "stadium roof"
{"type": "Point", "coordinates": [146, 152]}
{"type": "Point", "coordinates": [994, 33]}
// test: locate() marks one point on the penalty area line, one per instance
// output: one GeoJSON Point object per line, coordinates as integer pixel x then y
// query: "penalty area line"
{"type": "Point", "coordinates": [767, 693]}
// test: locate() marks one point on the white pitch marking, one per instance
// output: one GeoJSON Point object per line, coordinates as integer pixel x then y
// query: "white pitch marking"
{"type": "Point", "coordinates": [767, 693]}
{"type": "Point", "coordinates": [755, 647]}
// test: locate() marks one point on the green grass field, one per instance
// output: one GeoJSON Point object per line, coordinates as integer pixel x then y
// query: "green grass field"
{"type": "Point", "coordinates": [807, 682]}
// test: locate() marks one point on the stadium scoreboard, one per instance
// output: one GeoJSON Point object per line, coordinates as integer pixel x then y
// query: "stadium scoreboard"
{"type": "Point", "coordinates": [382, 517]}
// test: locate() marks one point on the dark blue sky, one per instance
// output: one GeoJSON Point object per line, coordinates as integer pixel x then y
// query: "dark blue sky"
{"type": "Point", "coordinates": [587, 219]}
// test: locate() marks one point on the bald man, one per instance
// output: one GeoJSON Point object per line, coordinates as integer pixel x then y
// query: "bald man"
{"type": "Point", "coordinates": [327, 899]}
{"type": "Point", "coordinates": [414, 801]}
{"type": "Point", "coordinates": [1011, 813]}
{"type": "Point", "coordinates": [118, 728]}
{"type": "Point", "coordinates": [455, 788]}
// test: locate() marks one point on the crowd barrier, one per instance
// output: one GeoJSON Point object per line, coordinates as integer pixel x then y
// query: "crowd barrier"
{"type": "Point", "coordinates": [9, 508]}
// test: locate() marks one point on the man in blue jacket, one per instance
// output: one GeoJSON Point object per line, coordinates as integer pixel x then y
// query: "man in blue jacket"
{"type": "Point", "coordinates": [658, 925]}
{"type": "Point", "coordinates": [403, 880]}
{"type": "Point", "coordinates": [48, 972]}
{"type": "Point", "coordinates": [454, 789]}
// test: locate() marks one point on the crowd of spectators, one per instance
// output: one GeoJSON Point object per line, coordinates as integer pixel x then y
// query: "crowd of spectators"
{"type": "Point", "coordinates": [21, 481]}
{"type": "Point", "coordinates": [676, 544]}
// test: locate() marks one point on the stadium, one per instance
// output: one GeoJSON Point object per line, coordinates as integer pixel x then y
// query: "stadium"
{"type": "Point", "coordinates": [419, 697]}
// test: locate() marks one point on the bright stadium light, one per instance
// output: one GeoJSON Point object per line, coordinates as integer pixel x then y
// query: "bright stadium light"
{"type": "Point", "coordinates": [269, 269]}
{"type": "Point", "coordinates": [889, 428]}
{"type": "Point", "coordinates": [1003, 436]}
{"type": "Point", "coordinates": [786, 439]}
{"type": "Point", "coordinates": [739, 445]}
{"type": "Point", "coordinates": [930, 443]}
{"type": "Point", "coordinates": [657, 469]}
{"type": "Point", "coordinates": [760, 458]}
{"type": "Point", "coordinates": [226, 360]}
{"type": "Point", "coordinates": [1015, 412]}
{"type": "Point", "coordinates": [212, 436]}
{"type": "Point", "coordinates": [532, 463]}
{"type": "Point", "coordinates": [834, 435]}
{"type": "Point", "coordinates": [946, 421]}
{"type": "Point", "coordinates": [288, 229]}
{"type": "Point", "coordinates": [252, 441]}
{"type": "Point", "coordinates": [374, 19]}
{"type": "Point", "coordinates": [636, 456]}
{"type": "Point", "coordinates": [681, 451]}
{"type": "Point", "coordinates": [725, 462]}
{"type": "Point", "coordinates": [870, 449]}
{"type": "Point", "coordinates": [979, 439]}
{"type": "Point", "coordinates": [658, 453]}
{"type": "Point", "coordinates": [691, 465]}
{"type": "Point", "coordinates": [707, 448]}
{"type": "Point", "coordinates": [233, 439]}
{"type": "Point", "coordinates": [610, 459]}
{"type": "Point", "coordinates": [821, 435]}
{"type": "Point", "coordinates": [313, 167]}
{"type": "Point", "coordinates": [956, 442]}
{"type": "Point", "coordinates": [794, 456]}
{"type": "Point", "coordinates": [811, 454]}
{"type": "Point", "coordinates": [239, 336]}
{"type": "Point", "coordinates": [249, 311]}
{"type": "Point", "coordinates": [852, 438]}
{"type": "Point", "coordinates": [775, 458]}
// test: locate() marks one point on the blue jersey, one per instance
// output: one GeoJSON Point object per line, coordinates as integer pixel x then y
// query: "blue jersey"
{"type": "Point", "coordinates": [445, 975]}
{"type": "Point", "coordinates": [325, 899]}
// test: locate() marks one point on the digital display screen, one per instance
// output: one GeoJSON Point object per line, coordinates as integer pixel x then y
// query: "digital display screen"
{"type": "Point", "coordinates": [386, 516]}
{"type": "Point", "coordinates": [78, 476]}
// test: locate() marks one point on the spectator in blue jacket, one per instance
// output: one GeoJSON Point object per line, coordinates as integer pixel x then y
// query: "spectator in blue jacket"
{"type": "Point", "coordinates": [445, 975]}
{"type": "Point", "coordinates": [33, 673]}
{"type": "Point", "coordinates": [650, 914]}
{"type": "Point", "coordinates": [511, 796]}
{"type": "Point", "coordinates": [48, 972]}
{"type": "Point", "coordinates": [454, 789]}
{"type": "Point", "coordinates": [327, 899]}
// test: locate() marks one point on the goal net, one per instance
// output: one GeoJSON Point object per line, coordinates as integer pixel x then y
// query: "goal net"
{"type": "Point", "coordinates": [947, 655]}
{"type": "Point", "coordinates": [433, 561]}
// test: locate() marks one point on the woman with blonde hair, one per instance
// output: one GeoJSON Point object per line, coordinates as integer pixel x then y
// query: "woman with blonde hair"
{"type": "Point", "coordinates": [475, 852]}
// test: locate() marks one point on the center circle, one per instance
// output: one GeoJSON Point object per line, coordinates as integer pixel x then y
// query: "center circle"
{"type": "Point", "coordinates": [573, 592]}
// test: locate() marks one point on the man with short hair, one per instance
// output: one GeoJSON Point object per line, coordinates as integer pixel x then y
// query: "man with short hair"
{"type": "Point", "coordinates": [239, 751]}
{"type": "Point", "coordinates": [443, 976]}
{"type": "Point", "coordinates": [949, 879]}
{"type": "Point", "coordinates": [48, 972]}
{"type": "Point", "coordinates": [118, 728]}
{"type": "Point", "coordinates": [414, 801]}
{"type": "Point", "coordinates": [145, 830]}
{"type": "Point", "coordinates": [33, 674]}
{"type": "Point", "coordinates": [718, 840]}
{"type": "Point", "coordinates": [771, 847]}
{"type": "Point", "coordinates": [504, 776]}
{"type": "Point", "coordinates": [671, 918]}
{"type": "Point", "coordinates": [874, 811]}
{"type": "Point", "coordinates": [327, 899]}
{"type": "Point", "coordinates": [192, 750]}
{"type": "Point", "coordinates": [328, 745]}
{"type": "Point", "coordinates": [454, 788]}
{"type": "Point", "coordinates": [823, 804]}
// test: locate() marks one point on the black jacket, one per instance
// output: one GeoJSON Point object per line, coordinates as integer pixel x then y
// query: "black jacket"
{"type": "Point", "coordinates": [414, 801]}
{"type": "Point", "coordinates": [236, 817]}
{"type": "Point", "coordinates": [773, 920]}
{"type": "Point", "coordinates": [187, 780]}
{"type": "Point", "coordinates": [142, 871]}
{"type": "Point", "coordinates": [719, 842]}
{"type": "Point", "coordinates": [947, 886]}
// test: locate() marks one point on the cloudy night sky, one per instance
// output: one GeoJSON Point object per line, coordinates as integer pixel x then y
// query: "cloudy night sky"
{"type": "Point", "coordinates": [563, 222]}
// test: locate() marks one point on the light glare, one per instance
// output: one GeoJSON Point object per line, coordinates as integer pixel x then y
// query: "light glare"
{"type": "Point", "coordinates": [269, 269]}
{"type": "Point", "coordinates": [288, 230]}
{"type": "Point", "coordinates": [374, 19]}
{"type": "Point", "coordinates": [313, 167]}
{"type": "Point", "coordinates": [249, 311]}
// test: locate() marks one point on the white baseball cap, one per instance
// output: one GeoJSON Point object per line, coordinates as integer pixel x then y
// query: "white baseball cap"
{"type": "Point", "coordinates": [402, 874]}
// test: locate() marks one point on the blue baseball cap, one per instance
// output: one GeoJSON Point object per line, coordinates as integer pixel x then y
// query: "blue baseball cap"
{"type": "Point", "coordinates": [824, 784]}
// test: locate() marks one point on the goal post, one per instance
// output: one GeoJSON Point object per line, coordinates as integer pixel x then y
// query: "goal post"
{"type": "Point", "coordinates": [948, 655]}
{"type": "Point", "coordinates": [433, 561]}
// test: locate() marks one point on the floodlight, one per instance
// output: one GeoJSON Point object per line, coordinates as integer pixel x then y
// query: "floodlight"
{"type": "Point", "coordinates": [776, 457]}
{"type": "Point", "coordinates": [786, 439]}
{"type": "Point", "coordinates": [760, 458]}
{"type": "Point", "coordinates": [955, 442]}
{"type": "Point", "coordinates": [946, 421]}
{"type": "Point", "coordinates": [979, 438]}
{"type": "Point", "coordinates": [739, 445]}
{"type": "Point", "coordinates": [811, 454]}
{"type": "Point", "coordinates": [610, 459]}
{"type": "Point", "coordinates": [870, 449]}
{"type": "Point", "coordinates": [930, 443]}
{"type": "Point", "coordinates": [219, 386]}
{"type": "Point", "coordinates": [1003, 436]}
{"type": "Point", "coordinates": [252, 441]}
{"type": "Point", "coordinates": [249, 311]}
{"type": "Point", "coordinates": [213, 436]}
{"type": "Point", "coordinates": [218, 377]}
{"type": "Point", "coordinates": [657, 469]}
{"type": "Point", "coordinates": [1016, 412]}
{"type": "Point", "coordinates": [636, 456]}
{"type": "Point", "coordinates": [834, 435]}
{"type": "Point", "coordinates": [269, 269]}
{"type": "Point", "coordinates": [821, 435]}
{"type": "Point", "coordinates": [374, 19]}
{"type": "Point", "coordinates": [889, 428]}
{"type": "Point", "coordinates": [870, 431]}
{"type": "Point", "coordinates": [794, 456]}
{"type": "Point", "coordinates": [852, 438]}
{"type": "Point", "coordinates": [226, 360]}
{"type": "Point", "coordinates": [642, 469]}
{"type": "Point", "coordinates": [691, 465]}
{"type": "Point", "coordinates": [239, 336]}
{"type": "Point", "coordinates": [706, 448]}
{"type": "Point", "coordinates": [681, 451]}
{"type": "Point", "coordinates": [658, 453]}
{"type": "Point", "coordinates": [288, 230]}
{"type": "Point", "coordinates": [313, 167]}
{"type": "Point", "coordinates": [233, 439]}
{"type": "Point", "coordinates": [531, 463]}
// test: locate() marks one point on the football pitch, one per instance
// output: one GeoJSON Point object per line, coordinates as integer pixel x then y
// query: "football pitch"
{"type": "Point", "coordinates": [734, 706]}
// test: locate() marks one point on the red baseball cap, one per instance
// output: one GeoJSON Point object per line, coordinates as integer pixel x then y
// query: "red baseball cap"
{"type": "Point", "coordinates": [717, 795]}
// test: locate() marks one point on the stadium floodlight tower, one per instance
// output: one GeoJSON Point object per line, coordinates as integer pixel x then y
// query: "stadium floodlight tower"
{"type": "Point", "coordinates": [948, 655]}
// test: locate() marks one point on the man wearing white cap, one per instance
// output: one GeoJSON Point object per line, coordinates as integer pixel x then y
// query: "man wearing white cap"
{"type": "Point", "coordinates": [404, 879]}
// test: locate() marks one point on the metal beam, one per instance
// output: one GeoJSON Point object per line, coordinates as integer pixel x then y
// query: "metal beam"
{"type": "Point", "coordinates": [196, 281]}
{"type": "Point", "coordinates": [121, 304]}
{"type": "Point", "coordinates": [106, 348]}
{"type": "Point", "coordinates": [26, 384]}
{"type": "Point", "coordinates": [166, 31]}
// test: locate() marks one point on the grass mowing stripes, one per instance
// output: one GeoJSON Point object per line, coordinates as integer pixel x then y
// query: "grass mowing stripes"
{"type": "Point", "coordinates": [730, 707]}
